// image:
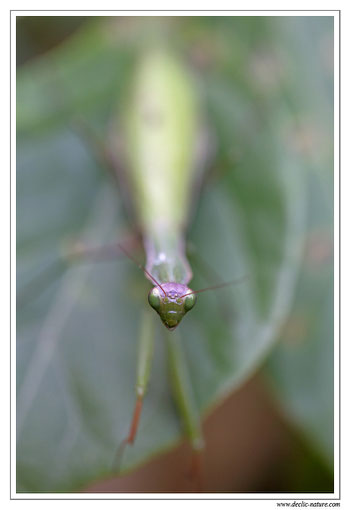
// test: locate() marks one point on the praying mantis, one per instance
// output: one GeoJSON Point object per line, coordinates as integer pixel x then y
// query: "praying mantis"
{"type": "Point", "coordinates": [153, 146]}
{"type": "Point", "coordinates": [161, 130]}
{"type": "Point", "coordinates": [162, 127]}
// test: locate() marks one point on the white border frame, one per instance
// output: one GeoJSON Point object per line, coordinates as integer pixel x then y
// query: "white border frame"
{"type": "Point", "coordinates": [242, 497]}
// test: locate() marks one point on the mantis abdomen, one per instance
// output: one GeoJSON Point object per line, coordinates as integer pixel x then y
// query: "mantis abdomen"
{"type": "Point", "coordinates": [161, 129]}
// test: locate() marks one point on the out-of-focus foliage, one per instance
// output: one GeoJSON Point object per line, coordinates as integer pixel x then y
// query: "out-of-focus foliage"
{"type": "Point", "coordinates": [267, 90]}
{"type": "Point", "coordinates": [302, 365]}
{"type": "Point", "coordinates": [37, 35]}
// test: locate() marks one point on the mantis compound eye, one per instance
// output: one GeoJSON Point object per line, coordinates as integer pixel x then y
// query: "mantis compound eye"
{"type": "Point", "coordinates": [189, 302]}
{"type": "Point", "coordinates": [154, 298]}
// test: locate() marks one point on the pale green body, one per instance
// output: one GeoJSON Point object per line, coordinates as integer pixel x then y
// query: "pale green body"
{"type": "Point", "coordinates": [162, 125]}
{"type": "Point", "coordinates": [160, 137]}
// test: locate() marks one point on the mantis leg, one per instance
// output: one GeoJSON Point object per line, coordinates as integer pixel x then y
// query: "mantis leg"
{"type": "Point", "coordinates": [109, 156]}
{"type": "Point", "coordinates": [77, 253]}
{"type": "Point", "coordinates": [145, 354]}
{"type": "Point", "coordinates": [144, 360]}
{"type": "Point", "coordinates": [96, 145]}
{"type": "Point", "coordinates": [212, 278]}
{"type": "Point", "coordinates": [185, 400]}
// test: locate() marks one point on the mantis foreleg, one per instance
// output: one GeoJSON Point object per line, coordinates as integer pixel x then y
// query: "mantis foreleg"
{"type": "Point", "coordinates": [184, 397]}
{"type": "Point", "coordinates": [145, 354]}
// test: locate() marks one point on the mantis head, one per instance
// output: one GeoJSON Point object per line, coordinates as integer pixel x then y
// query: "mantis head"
{"type": "Point", "coordinates": [171, 301]}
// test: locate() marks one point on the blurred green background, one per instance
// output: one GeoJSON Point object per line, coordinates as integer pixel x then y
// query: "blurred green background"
{"type": "Point", "coordinates": [266, 210]}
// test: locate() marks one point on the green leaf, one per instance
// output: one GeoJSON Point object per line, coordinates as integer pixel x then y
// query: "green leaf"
{"type": "Point", "coordinates": [76, 342]}
{"type": "Point", "coordinates": [301, 369]}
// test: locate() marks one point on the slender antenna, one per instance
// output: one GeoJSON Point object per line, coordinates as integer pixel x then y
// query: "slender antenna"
{"type": "Point", "coordinates": [141, 267]}
{"type": "Point", "coordinates": [219, 286]}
